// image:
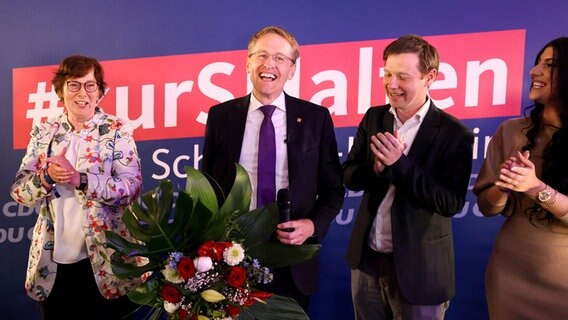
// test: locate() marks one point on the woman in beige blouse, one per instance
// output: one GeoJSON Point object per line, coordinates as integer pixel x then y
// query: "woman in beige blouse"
{"type": "Point", "coordinates": [525, 178]}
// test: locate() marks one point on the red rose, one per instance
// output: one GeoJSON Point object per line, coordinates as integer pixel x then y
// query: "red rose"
{"type": "Point", "coordinates": [213, 250]}
{"type": "Point", "coordinates": [171, 293]}
{"type": "Point", "coordinates": [207, 249]}
{"type": "Point", "coordinates": [232, 311]}
{"type": "Point", "coordinates": [183, 314]}
{"type": "Point", "coordinates": [220, 248]}
{"type": "Point", "coordinates": [186, 268]}
{"type": "Point", "coordinates": [237, 277]}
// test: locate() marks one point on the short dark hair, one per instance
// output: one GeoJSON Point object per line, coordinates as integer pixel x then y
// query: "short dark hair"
{"type": "Point", "coordinates": [75, 67]}
{"type": "Point", "coordinates": [411, 43]}
{"type": "Point", "coordinates": [281, 32]}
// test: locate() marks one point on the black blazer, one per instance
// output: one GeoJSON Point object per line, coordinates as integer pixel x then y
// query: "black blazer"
{"type": "Point", "coordinates": [431, 184]}
{"type": "Point", "coordinates": [315, 177]}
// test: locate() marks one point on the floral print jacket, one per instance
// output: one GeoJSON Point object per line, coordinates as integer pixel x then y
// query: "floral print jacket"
{"type": "Point", "coordinates": [107, 154]}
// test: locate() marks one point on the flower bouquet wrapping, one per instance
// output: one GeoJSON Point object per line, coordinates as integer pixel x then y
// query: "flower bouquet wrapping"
{"type": "Point", "coordinates": [205, 261]}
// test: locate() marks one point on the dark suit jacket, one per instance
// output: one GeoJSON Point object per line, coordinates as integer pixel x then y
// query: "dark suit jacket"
{"type": "Point", "coordinates": [431, 183]}
{"type": "Point", "coordinates": [315, 178]}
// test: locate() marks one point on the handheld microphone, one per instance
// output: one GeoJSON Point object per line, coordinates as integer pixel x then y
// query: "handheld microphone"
{"type": "Point", "coordinates": [283, 203]}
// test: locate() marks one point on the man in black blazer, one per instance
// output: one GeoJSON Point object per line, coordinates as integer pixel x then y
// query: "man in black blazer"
{"type": "Point", "coordinates": [307, 162]}
{"type": "Point", "coordinates": [413, 162]}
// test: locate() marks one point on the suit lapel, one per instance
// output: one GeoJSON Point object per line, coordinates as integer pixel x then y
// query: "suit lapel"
{"type": "Point", "coordinates": [426, 134]}
{"type": "Point", "coordinates": [236, 123]}
{"type": "Point", "coordinates": [388, 122]}
{"type": "Point", "coordinates": [295, 123]}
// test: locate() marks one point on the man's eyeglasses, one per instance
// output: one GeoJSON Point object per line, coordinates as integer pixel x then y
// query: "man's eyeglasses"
{"type": "Point", "coordinates": [263, 56]}
{"type": "Point", "coordinates": [74, 86]}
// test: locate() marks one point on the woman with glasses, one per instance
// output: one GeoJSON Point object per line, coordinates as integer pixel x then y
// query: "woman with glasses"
{"type": "Point", "coordinates": [82, 168]}
{"type": "Point", "coordinates": [525, 178]}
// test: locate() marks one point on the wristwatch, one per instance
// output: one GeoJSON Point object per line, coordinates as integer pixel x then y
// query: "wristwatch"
{"type": "Point", "coordinates": [83, 180]}
{"type": "Point", "coordinates": [47, 177]}
{"type": "Point", "coordinates": [544, 195]}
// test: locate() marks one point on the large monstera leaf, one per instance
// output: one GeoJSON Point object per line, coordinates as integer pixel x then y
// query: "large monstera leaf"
{"type": "Point", "coordinates": [161, 229]}
{"type": "Point", "coordinates": [158, 227]}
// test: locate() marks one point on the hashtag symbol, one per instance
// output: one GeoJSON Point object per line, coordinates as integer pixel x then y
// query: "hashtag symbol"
{"type": "Point", "coordinates": [38, 99]}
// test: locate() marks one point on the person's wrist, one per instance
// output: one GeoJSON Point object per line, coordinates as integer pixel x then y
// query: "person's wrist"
{"type": "Point", "coordinates": [548, 204]}
{"type": "Point", "coordinates": [83, 181]}
{"type": "Point", "coordinates": [499, 198]}
{"type": "Point", "coordinates": [534, 191]}
{"type": "Point", "coordinates": [48, 178]}
{"type": "Point", "coordinates": [43, 182]}
{"type": "Point", "coordinates": [503, 190]}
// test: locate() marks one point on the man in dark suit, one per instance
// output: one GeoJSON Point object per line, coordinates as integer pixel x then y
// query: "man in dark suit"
{"type": "Point", "coordinates": [413, 162]}
{"type": "Point", "coordinates": [306, 153]}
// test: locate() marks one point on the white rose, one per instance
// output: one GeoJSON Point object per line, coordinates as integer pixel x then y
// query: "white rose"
{"type": "Point", "coordinates": [203, 264]}
{"type": "Point", "coordinates": [170, 307]}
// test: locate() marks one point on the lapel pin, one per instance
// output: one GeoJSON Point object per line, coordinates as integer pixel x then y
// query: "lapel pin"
{"type": "Point", "coordinates": [298, 120]}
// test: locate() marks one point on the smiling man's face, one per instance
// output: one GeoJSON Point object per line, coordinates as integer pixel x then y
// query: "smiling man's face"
{"type": "Point", "coordinates": [269, 66]}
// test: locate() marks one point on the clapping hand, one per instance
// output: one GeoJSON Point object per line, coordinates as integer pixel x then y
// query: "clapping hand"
{"type": "Point", "coordinates": [59, 169]}
{"type": "Point", "coordinates": [387, 149]}
{"type": "Point", "coordinates": [518, 173]}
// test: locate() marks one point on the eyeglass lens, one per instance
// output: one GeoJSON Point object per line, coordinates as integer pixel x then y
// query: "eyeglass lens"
{"type": "Point", "coordinates": [75, 86]}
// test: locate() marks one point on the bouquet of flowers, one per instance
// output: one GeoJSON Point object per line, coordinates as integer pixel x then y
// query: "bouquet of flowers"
{"type": "Point", "coordinates": [205, 261]}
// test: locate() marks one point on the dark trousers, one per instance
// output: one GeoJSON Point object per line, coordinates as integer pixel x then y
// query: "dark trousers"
{"type": "Point", "coordinates": [376, 294]}
{"type": "Point", "coordinates": [75, 295]}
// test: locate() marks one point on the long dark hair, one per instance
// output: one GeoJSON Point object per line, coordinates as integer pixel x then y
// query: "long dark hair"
{"type": "Point", "coordinates": [555, 155]}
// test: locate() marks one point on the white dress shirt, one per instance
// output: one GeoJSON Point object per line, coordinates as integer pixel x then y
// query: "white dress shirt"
{"type": "Point", "coordinates": [249, 148]}
{"type": "Point", "coordinates": [380, 236]}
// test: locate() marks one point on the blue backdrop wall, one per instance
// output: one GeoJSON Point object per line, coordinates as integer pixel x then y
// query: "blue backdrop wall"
{"type": "Point", "coordinates": [41, 33]}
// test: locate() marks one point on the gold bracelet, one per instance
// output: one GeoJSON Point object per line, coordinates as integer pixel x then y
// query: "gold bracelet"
{"type": "Point", "coordinates": [549, 205]}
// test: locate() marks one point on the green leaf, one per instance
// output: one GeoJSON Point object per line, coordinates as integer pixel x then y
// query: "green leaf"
{"type": "Point", "coordinates": [200, 230]}
{"type": "Point", "coordinates": [131, 271]}
{"type": "Point", "coordinates": [236, 204]}
{"type": "Point", "coordinates": [131, 222]}
{"type": "Point", "coordinates": [126, 248]}
{"type": "Point", "coordinates": [197, 219]}
{"type": "Point", "coordinates": [152, 223]}
{"type": "Point", "coordinates": [276, 255]}
{"type": "Point", "coordinates": [199, 187]}
{"type": "Point", "coordinates": [257, 226]}
{"type": "Point", "coordinates": [276, 308]}
{"type": "Point", "coordinates": [145, 293]}
{"type": "Point", "coordinates": [238, 199]}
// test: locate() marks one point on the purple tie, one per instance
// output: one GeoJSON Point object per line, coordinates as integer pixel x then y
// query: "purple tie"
{"type": "Point", "coordinates": [266, 183]}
